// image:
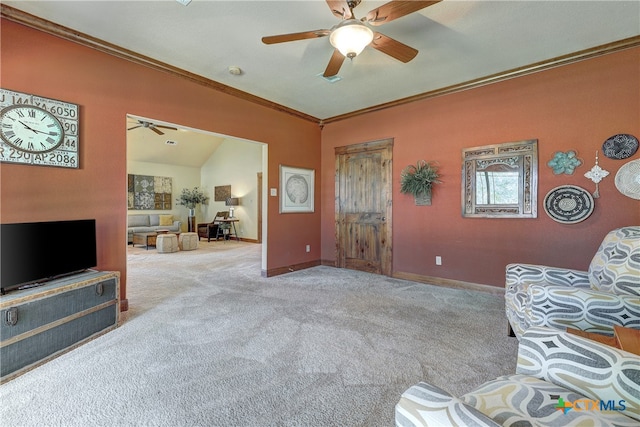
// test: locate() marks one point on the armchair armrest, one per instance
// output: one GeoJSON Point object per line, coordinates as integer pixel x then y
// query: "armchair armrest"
{"type": "Point", "coordinates": [584, 309]}
{"type": "Point", "coordinates": [427, 405]}
{"type": "Point", "coordinates": [587, 367]}
{"type": "Point", "coordinates": [517, 274]}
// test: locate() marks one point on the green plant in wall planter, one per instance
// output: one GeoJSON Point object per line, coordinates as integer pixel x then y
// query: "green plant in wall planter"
{"type": "Point", "coordinates": [418, 180]}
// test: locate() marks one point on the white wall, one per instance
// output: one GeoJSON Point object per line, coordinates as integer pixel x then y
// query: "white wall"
{"type": "Point", "coordinates": [183, 177]}
{"type": "Point", "coordinates": [235, 163]}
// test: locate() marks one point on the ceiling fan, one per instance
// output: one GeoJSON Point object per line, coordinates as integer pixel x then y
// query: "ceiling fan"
{"type": "Point", "coordinates": [152, 126]}
{"type": "Point", "coordinates": [352, 35]}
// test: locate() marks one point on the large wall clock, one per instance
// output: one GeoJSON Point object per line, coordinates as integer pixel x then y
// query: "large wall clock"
{"type": "Point", "coordinates": [38, 131]}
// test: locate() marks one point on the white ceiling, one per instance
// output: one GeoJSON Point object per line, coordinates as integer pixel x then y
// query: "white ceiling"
{"type": "Point", "coordinates": [189, 147]}
{"type": "Point", "coordinates": [458, 41]}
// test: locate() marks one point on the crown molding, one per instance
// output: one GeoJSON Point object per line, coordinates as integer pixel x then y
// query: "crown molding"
{"type": "Point", "coordinates": [43, 25]}
{"type": "Point", "coordinates": [499, 77]}
{"type": "Point", "coordinates": [66, 33]}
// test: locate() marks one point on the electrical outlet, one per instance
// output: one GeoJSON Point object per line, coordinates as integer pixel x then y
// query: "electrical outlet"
{"type": "Point", "coordinates": [438, 260]}
{"type": "Point", "coordinates": [308, 248]}
{"type": "Point", "coordinates": [273, 192]}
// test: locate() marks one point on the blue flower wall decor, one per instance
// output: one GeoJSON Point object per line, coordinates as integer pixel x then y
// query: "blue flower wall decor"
{"type": "Point", "coordinates": [564, 162]}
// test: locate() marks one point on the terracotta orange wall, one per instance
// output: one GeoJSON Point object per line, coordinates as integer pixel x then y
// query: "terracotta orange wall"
{"type": "Point", "coordinates": [107, 88]}
{"type": "Point", "coordinates": [574, 107]}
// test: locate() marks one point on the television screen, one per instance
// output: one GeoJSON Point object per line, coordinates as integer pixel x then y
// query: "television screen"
{"type": "Point", "coordinates": [39, 251]}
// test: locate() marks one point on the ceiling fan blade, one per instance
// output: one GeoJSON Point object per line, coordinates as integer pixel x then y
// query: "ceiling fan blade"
{"type": "Point", "coordinates": [135, 127]}
{"type": "Point", "coordinates": [393, 48]}
{"type": "Point", "coordinates": [334, 64]}
{"type": "Point", "coordinates": [295, 36]}
{"type": "Point", "coordinates": [394, 10]}
{"type": "Point", "coordinates": [340, 8]}
{"type": "Point", "coordinates": [159, 132]}
{"type": "Point", "coordinates": [165, 127]}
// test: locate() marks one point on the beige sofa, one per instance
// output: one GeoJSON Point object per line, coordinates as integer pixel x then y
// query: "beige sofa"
{"type": "Point", "coordinates": [148, 223]}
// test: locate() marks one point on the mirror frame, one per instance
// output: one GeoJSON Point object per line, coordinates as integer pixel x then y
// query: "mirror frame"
{"type": "Point", "coordinates": [525, 155]}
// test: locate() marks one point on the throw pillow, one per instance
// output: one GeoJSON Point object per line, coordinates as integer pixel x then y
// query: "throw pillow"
{"type": "Point", "coordinates": [166, 220]}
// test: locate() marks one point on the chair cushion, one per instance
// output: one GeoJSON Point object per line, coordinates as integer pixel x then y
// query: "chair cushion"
{"type": "Point", "coordinates": [515, 400]}
{"type": "Point", "coordinates": [616, 266]}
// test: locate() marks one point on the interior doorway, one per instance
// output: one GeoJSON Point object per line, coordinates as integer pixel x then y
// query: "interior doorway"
{"type": "Point", "coordinates": [197, 158]}
{"type": "Point", "coordinates": [364, 206]}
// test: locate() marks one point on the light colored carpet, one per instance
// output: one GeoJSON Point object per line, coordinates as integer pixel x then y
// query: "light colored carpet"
{"type": "Point", "coordinates": [209, 342]}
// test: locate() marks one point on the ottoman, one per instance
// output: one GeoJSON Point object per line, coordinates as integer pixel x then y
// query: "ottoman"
{"type": "Point", "coordinates": [188, 241]}
{"type": "Point", "coordinates": [167, 243]}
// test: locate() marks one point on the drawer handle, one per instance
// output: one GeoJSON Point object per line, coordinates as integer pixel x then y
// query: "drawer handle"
{"type": "Point", "coordinates": [99, 289]}
{"type": "Point", "coordinates": [11, 316]}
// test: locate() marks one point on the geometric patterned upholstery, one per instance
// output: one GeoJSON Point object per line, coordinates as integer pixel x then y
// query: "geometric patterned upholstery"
{"type": "Point", "coordinates": [616, 266]}
{"type": "Point", "coordinates": [552, 365]}
{"type": "Point", "coordinates": [595, 300]}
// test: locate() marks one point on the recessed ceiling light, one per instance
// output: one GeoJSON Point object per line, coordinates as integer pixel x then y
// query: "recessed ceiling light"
{"type": "Point", "coordinates": [170, 142]}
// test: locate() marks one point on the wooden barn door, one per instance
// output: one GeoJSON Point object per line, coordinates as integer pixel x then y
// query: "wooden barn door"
{"type": "Point", "coordinates": [363, 206]}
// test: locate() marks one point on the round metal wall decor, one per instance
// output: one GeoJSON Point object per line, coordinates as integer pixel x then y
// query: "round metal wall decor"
{"type": "Point", "coordinates": [628, 179]}
{"type": "Point", "coordinates": [568, 204]}
{"type": "Point", "coordinates": [620, 146]}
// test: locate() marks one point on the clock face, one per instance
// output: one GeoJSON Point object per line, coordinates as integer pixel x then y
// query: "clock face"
{"type": "Point", "coordinates": [30, 129]}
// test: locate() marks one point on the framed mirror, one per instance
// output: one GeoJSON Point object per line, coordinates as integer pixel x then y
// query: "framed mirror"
{"type": "Point", "coordinates": [500, 181]}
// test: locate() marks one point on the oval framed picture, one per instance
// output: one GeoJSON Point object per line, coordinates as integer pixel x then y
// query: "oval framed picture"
{"type": "Point", "coordinates": [568, 204]}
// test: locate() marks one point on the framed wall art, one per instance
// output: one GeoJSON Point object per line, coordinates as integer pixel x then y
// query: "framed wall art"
{"type": "Point", "coordinates": [296, 189]}
{"type": "Point", "coordinates": [221, 193]}
{"type": "Point", "coordinates": [146, 192]}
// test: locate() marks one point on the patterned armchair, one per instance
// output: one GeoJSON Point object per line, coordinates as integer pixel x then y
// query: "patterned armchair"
{"type": "Point", "coordinates": [607, 294]}
{"type": "Point", "coordinates": [560, 380]}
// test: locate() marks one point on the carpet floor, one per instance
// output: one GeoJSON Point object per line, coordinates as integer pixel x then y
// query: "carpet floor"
{"type": "Point", "coordinates": [207, 341]}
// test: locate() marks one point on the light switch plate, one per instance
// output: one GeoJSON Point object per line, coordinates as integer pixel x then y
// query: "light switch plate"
{"type": "Point", "coordinates": [274, 192]}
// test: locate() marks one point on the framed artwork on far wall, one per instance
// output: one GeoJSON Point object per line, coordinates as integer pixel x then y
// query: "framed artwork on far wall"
{"type": "Point", "coordinates": [221, 193]}
{"type": "Point", "coordinates": [296, 189]}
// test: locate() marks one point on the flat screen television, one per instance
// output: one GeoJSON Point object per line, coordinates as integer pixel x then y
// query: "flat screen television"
{"type": "Point", "coordinates": [31, 253]}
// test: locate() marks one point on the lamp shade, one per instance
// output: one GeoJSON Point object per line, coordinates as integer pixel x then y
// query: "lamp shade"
{"type": "Point", "coordinates": [232, 201]}
{"type": "Point", "coordinates": [350, 37]}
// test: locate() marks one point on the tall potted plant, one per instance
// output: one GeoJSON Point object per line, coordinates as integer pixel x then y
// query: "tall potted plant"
{"type": "Point", "coordinates": [418, 180]}
{"type": "Point", "coordinates": [192, 198]}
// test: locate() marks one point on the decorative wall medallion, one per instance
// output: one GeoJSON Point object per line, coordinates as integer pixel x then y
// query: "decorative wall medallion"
{"type": "Point", "coordinates": [620, 146]}
{"type": "Point", "coordinates": [564, 162]}
{"type": "Point", "coordinates": [596, 174]}
{"type": "Point", "coordinates": [628, 179]}
{"type": "Point", "coordinates": [568, 204]}
{"type": "Point", "coordinates": [38, 131]}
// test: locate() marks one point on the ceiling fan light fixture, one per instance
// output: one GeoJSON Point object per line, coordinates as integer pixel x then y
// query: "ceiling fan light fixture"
{"type": "Point", "coordinates": [350, 37]}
